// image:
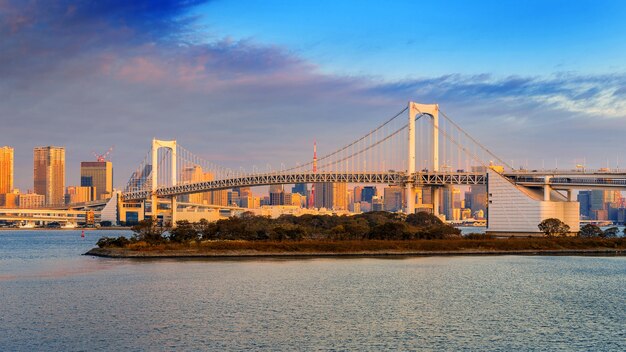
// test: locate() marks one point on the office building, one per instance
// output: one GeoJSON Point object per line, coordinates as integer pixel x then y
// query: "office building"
{"type": "Point", "coordinates": [80, 194]}
{"type": "Point", "coordinates": [49, 174]}
{"type": "Point", "coordinates": [331, 195]}
{"type": "Point", "coordinates": [31, 201]}
{"type": "Point", "coordinates": [277, 195]}
{"type": "Point", "coordinates": [451, 203]}
{"type": "Point", "coordinates": [393, 198]}
{"type": "Point", "coordinates": [367, 193]}
{"type": "Point", "coordinates": [356, 193]}
{"type": "Point", "coordinates": [97, 174]}
{"type": "Point", "coordinates": [9, 200]}
{"type": "Point", "coordinates": [6, 170]}
{"type": "Point", "coordinates": [476, 198]}
{"type": "Point", "coordinates": [299, 188]}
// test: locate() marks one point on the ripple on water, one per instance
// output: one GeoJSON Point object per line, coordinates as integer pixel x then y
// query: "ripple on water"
{"type": "Point", "coordinates": [54, 299]}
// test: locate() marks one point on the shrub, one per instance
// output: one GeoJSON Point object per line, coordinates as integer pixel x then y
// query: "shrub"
{"type": "Point", "coordinates": [611, 232]}
{"type": "Point", "coordinates": [108, 242]}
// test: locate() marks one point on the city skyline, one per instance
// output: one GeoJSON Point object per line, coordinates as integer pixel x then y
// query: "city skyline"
{"type": "Point", "coordinates": [123, 75]}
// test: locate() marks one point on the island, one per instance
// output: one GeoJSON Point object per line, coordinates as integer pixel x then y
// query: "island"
{"type": "Point", "coordinates": [373, 234]}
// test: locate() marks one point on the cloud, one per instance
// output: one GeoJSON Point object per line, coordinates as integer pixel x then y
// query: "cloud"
{"type": "Point", "coordinates": [92, 74]}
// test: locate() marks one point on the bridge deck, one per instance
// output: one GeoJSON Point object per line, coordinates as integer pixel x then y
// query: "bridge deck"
{"type": "Point", "coordinates": [558, 181]}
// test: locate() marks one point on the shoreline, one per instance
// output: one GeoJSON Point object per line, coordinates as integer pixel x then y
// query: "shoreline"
{"type": "Point", "coordinates": [119, 228]}
{"type": "Point", "coordinates": [250, 254]}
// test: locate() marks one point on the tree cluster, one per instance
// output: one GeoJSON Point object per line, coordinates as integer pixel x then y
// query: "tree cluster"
{"type": "Point", "coordinates": [554, 227]}
{"type": "Point", "coordinates": [367, 226]}
{"type": "Point", "coordinates": [591, 230]}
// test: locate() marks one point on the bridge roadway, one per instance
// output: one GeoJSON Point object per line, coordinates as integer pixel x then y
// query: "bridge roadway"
{"type": "Point", "coordinates": [557, 180]}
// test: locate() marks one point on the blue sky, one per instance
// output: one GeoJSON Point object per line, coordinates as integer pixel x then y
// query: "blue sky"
{"type": "Point", "coordinates": [405, 39]}
{"type": "Point", "coordinates": [254, 82]}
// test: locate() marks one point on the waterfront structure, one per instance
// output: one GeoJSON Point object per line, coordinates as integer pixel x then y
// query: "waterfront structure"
{"type": "Point", "coordinates": [49, 174]}
{"type": "Point", "coordinates": [97, 174]}
{"type": "Point", "coordinates": [517, 210]}
{"type": "Point", "coordinates": [6, 169]}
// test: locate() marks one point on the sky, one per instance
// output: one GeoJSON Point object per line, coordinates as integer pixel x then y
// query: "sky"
{"type": "Point", "coordinates": [255, 82]}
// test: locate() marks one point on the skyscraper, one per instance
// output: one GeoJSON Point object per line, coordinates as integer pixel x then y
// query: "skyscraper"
{"type": "Point", "coordinates": [277, 195]}
{"type": "Point", "coordinates": [49, 174]}
{"type": "Point", "coordinates": [98, 174]}
{"type": "Point", "coordinates": [367, 193]}
{"type": "Point", "coordinates": [393, 198]}
{"type": "Point", "coordinates": [6, 170]}
{"type": "Point", "coordinates": [331, 195]}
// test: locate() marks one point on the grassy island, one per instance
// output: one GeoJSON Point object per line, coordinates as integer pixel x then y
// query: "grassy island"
{"type": "Point", "coordinates": [368, 234]}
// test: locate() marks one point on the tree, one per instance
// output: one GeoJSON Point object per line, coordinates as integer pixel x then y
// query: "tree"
{"type": "Point", "coordinates": [207, 230]}
{"type": "Point", "coordinates": [590, 230]}
{"type": "Point", "coordinates": [423, 219]}
{"type": "Point", "coordinates": [553, 227]}
{"type": "Point", "coordinates": [183, 232]}
{"type": "Point", "coordinates": [611, 232]}
{"type": "Point", "coordinates": [150, 231]}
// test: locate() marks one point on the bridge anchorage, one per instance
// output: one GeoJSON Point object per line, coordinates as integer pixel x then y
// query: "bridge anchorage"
{"type": "Point", "coordinates": [425, 154]}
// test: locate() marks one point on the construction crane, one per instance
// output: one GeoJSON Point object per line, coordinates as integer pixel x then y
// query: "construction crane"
{"type": "Point", "coordinates": [103, 157]}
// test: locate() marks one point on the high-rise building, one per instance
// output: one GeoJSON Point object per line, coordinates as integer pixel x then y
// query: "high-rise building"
{"type": "Point", "coordinates": [6, 170]}
{"type": "Point", "coordinates": [367, 193]}
{"type": "Point", "coordinates": [9, 200]}
{"type": "Point", "coordinates": [393, 197]}
{"type": "Point", "coordinates": [277, 195]}
{"type": "Point", "coordinates": [584, 198]}
{"type": "Point", "coordinates": [219, 197]}
{"type": "Point", "coordinates": [80, 194]}
{"type": "Point", "coordinates": [195, 174]}
{"type": "Point", "coordinates": [356, 193]}
{"type": "Point", "coordinates": [243, 191]}
{"type": "Point", "coordinates": [377, 204]}
{"type": "Point", "coordinates": [476, 198]}
{"type": "Point", "coordinates": [451, 203]}
{"type": "Point", "coordinates": [98, 174]}
{"type": "Point", "coordinates": [299, 188]}
{"type": "Point", "coordinates": [331, 195]}
{"type": "Point", "coordinates": [49, 174]}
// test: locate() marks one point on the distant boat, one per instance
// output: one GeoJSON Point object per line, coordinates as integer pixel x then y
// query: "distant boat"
{"type": "Point", "coordinates": [69, 225]}
{"type": "Point", "coordinates": [27, 225]}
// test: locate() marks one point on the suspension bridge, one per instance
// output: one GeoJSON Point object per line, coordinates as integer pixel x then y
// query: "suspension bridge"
{"type": "Point", "coordinates": [418, 147]}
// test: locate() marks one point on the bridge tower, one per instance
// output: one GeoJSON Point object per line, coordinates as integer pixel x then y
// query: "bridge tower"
{"type": "Point", "coordinates": [432, 110]}
{"type": "Point", "coordinates": [156, 145]}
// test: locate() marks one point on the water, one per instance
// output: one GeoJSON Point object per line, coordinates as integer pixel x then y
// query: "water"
{"type": "Point", "coordinates": [51, 298]}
